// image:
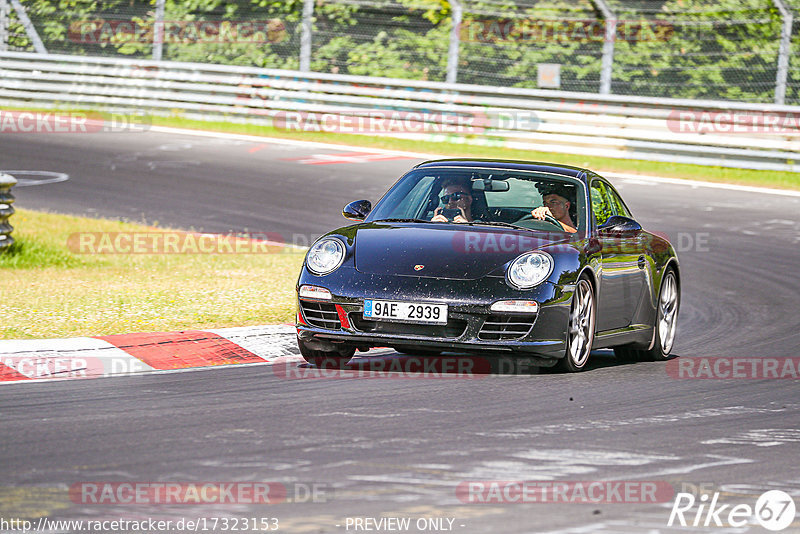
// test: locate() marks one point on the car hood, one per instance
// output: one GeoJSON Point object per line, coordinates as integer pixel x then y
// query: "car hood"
{"type": "Point", "coordinates": [442, 250]}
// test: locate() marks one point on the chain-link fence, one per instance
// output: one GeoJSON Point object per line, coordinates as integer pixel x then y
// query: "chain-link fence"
{"type": "Point", "coordinates": [745, 50]}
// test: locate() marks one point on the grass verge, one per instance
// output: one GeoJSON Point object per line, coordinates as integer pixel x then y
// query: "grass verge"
{"type": "Point", "coordinates": [50, 291]}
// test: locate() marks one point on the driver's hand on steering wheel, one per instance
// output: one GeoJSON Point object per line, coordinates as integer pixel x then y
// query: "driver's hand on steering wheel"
{"type": "Point", "coordinates": [541, 212]}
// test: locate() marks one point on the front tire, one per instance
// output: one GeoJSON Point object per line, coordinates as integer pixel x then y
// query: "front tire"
{"type": "Point", "coordinates": [324, 359]}
{"type": "Point", "coordinates": [580, 328]}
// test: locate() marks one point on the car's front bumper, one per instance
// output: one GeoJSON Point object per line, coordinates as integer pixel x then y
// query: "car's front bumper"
{"type": "Point", "coordinates": [469, 319]}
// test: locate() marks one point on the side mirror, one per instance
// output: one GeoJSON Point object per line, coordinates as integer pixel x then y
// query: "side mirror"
{"type": "Point", "coordinates": [619, 226]}
{"type": "Point", "coordinates": [358, 210]}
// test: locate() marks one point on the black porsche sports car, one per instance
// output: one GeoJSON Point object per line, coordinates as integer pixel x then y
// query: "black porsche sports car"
{"type": "Point", "coordinates": [490, 256]}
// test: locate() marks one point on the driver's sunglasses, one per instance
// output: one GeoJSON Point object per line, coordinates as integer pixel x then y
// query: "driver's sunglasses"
{"type": "Point", "coordinates": [455, 197]}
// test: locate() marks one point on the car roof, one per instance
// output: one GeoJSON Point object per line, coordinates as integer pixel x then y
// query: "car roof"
{"type": "Point", "coordinates": [553, 168]}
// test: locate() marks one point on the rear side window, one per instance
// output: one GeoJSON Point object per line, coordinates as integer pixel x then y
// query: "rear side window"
{"type": "Point", "coordinates": [606, 202]}
{"type": "Point", "coordinates": [601, 204]}
{"type": "Point", "coordinates": [617, 205]}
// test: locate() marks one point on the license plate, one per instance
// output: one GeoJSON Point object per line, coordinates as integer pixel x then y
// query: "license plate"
{"type": "Point", "coordinates": [414, 312]}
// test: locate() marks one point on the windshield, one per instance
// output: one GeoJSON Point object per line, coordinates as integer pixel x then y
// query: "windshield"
{"type": "Point", "coordinates": [486, 196]}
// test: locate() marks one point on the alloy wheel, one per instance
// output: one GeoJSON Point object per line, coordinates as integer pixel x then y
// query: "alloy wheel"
{"type": "Point", "coordinates": [667, 312]}
{"type": "Point", "coordinates": [581, 325]}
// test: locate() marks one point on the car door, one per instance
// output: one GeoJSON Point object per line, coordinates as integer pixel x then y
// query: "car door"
{"type": "Point", "coordinates": [622, 274]}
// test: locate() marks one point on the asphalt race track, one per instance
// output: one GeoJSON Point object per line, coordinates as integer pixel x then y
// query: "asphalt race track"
{"type": "Point", "coordinates": [214, 185]}
{"type": "Point", "coordinates": [401, 447]}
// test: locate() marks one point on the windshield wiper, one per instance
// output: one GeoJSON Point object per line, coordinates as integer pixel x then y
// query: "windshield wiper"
{"type": "Point", "coordinates": [401, 220]}
{"type": "Point", "coordinates": [473, 223]}
{"type": "Point", "coordinates": [497, 223]}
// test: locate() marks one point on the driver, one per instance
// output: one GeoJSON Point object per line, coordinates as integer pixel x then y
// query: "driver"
{"type": "Point", "coordinates": [455, 194]}
{"type": "Point", "coordinates": [555, 204]}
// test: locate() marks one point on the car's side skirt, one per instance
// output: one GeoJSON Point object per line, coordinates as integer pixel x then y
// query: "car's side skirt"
{"type": "Point", "coordinates": [639, 334]}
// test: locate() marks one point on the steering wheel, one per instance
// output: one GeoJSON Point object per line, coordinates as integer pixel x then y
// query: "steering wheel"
{"type": "Point", "coordinates": [547, 218]}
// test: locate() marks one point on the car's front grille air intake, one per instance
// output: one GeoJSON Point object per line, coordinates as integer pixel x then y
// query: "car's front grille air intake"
{"type": "Point", "coordinates": [321, 315]}
{"type": "Point", "coordinates": [506, 327]}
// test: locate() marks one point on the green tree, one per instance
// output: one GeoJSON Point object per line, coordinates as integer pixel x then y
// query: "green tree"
{"type": "Point", "coordinates": [724, 50]}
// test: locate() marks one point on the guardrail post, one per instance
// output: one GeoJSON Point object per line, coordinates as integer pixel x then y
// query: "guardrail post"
{"type": "Point", "coordinates": [6, 209]}
{"type": "Point", "coordinates": [3, 25]}
{"type": "Point", "coordinates": [30, 29]}
{"type": "Point", "coordinates": [305, 35]}
{"type": "Point", "coordinates": [455, 36]}
{"type": "Point", "coordinates": [158, 31]}
{"type": "Point", "coordinates": [608, 46]}
{"type": "Point", "coordinates": [783, 51]}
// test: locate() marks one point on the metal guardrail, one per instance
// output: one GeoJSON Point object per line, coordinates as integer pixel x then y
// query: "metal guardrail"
{"type": "Point", "coordinates": [6, 210]}
{"type": "Point", "coordinates": [734, 134]}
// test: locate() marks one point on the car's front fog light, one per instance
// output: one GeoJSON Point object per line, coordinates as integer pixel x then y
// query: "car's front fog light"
{"type": "Point", "coordinates": [515, 306]}
{"type": "Point", "coordinates": [315, 292]}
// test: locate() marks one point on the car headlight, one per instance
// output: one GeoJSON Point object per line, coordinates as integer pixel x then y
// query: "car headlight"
{"type": "Point", "coordinates": [325, 256]}
{"type": "Point", "coordinates": [530, 269]}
